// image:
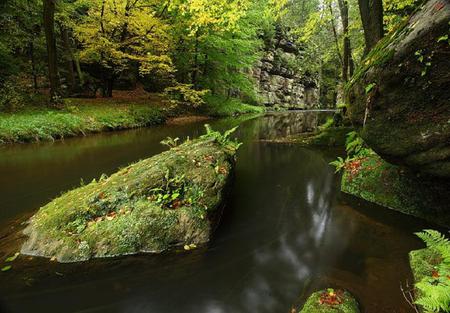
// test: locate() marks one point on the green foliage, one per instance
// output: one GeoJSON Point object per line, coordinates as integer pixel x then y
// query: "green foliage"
{"type": "Point", "coordinates": [339, 164]}
{"type": "Point", "coordinates": [184, 94]}
{"type": "Point", "coordinates": [120, 33]}
{"type": "Point", "coordinates": [170, 142]}
{"type": "Point", "coordinates": [355, 148]}
{"type": "Point", "coordinates": [219, 106]}
{"type": "Point", "coordinates": [354, 145]}
{"type": "Point", "coordinates": [434, 288]}
{"type": "Point", "coordinates": [172, 192]}
{"type": "Point", "coordinates": [369, 87]}
{"type": "Point", "coordinates": [223, 139]}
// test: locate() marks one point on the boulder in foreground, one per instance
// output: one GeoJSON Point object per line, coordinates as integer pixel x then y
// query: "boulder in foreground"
{"type": "Point", "coordinates": [169, 200]}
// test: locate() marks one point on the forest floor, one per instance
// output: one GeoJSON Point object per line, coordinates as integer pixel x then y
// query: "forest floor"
{"type": "Point", "coordinates": [125, 110]}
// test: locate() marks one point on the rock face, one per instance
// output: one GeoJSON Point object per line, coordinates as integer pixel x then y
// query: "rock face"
{"type": "Point", "coordinates": [331, 301]}
{"type": "Point", "coordinates": [172, 199]}
{"type": "Point", "coordinates": [280, 82]}
{"type": "Point", "coordinates": [402, 93]}
{"type": "Point", "coordinates": [377, 181]}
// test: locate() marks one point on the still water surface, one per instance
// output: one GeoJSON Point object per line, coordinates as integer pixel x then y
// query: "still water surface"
{"type": "Point", "coordinates": [286, 231]}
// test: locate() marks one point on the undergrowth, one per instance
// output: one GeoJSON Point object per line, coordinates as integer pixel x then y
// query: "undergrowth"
{"type": "Point", "coordinates": [434, 288]}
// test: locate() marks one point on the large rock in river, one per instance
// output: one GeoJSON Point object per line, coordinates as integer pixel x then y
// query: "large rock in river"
{"type": "Point", "coordinates": [401, 94]}
{"type": "Point", "coordinates": [172, 199]}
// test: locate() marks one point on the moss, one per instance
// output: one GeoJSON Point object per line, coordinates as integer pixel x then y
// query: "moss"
{"type": "Point", "coordinates": [379, 55]}
{"type": "Point", "coordinates": [314, 304]}
{"type": "Point", "coordinates": [377, 181]}
{"type": "Point", "coordinates": [121, 214]}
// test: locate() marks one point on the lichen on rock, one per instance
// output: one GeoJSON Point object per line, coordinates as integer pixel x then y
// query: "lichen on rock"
{"type": "Point", "coordinates": [331, 301]}
{"type": "Point", "coordinates": [169, 200]}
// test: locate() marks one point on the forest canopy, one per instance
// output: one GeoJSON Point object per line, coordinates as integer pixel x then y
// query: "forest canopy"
{"type": "Point", "coordinates": [193, 49]}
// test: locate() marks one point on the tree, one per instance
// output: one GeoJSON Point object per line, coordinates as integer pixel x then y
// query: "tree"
{"type": "Point", "coordinates": [347, 60]}
{"type": "Point", "coordinates": [372, 19]}
{"type": "Point", "coordinates": [120, 35]}
{"type": "Point", "coordinates": [52, 59]}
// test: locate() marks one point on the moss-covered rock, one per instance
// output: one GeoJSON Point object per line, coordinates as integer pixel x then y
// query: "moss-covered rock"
{"type": "Point", "coordinates": [172, 199]}
{"type": "Point", "coordinates": [330, 301]}
{"type": "Point", "coordinates": [330, 137]}
{"type": "Point", "coordinates": [377, 181]}
{"type": "Point", "coordinates": [401, 95]}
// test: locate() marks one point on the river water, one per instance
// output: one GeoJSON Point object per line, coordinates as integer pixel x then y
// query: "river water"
{"type": "Point", "coordinates": [286, 231]}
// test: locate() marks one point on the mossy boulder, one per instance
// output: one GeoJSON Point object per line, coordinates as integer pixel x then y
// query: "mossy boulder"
{"type": "Point", "coordinates": [380, 182]}
{"type": "Point", "coordinates": [330, 301]}
{"type": "Point", "coordinates": [400, 95]}
{"type": "Point", "coordinates": [173, 199]}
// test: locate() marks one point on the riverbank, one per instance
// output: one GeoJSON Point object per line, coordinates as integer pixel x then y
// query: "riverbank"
{"type": "Point", "coordinates": [80, 117]}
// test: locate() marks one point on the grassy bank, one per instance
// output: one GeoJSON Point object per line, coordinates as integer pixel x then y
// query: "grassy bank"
{"type": "Point", "coordinates": [78, 117]}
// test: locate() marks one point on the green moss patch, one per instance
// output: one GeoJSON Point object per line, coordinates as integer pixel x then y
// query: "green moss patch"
{"type": "Point", "coordinates": [330, 301]}
{"type": "Point", "coordinates": [377, 181]}
{"type": "Point", "coordinates": [172, 199]}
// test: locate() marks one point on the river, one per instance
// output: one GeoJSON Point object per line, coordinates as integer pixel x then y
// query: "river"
{"type": "Point", "coordinates": [286, 231]}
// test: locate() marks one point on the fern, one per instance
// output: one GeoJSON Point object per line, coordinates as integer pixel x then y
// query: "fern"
{"type": "Point", "coordinates": [170, 142]}
{"type": "Point", "coordinates": [435, 288]}
{"type": "Point", "coordinates": [223, 139]}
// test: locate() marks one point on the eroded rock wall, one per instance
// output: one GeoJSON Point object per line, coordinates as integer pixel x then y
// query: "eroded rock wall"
{"type": "Point", "coordinates": [280, 80]}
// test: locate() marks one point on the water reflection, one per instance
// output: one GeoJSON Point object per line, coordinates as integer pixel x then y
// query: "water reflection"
{"type": "Point", "coordinates": [284, 124]}
{"type": "Point", "coordinates": [283, 234]}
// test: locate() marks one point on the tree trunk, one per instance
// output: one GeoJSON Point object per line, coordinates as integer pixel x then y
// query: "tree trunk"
{"type": "Point", "coordinates": [333, 27]}
{"type": "Point", "coordinates": [108, 84]}
{"type": "Point", "coordinates": [372, 20]}
{"type": "Point", "coordinates": [49, 28]}
{"type": "Point", "coordinates": [70, 75]}
{"type": "Point", "coordinates": [343, 7]}
{"type": "Point", "coordinates": [33, 64]}
{"type": "Point", "coordinates": [195, 69]}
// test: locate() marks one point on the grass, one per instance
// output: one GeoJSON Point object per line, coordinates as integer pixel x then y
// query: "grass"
{"type": "Point", "coordinates": [221, 107]}
{"type": "Point", "coordinates": [78, 117]}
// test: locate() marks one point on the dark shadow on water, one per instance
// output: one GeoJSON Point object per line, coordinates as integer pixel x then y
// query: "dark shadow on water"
{"type": "Point", "coordinates": [286, 232]}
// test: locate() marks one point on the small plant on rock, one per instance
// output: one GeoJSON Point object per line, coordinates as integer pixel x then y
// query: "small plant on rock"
{"type": "Point", "coordinates": [223, 139]}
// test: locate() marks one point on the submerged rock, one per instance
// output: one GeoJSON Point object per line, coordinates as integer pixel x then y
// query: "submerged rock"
{"type": "Point", "coordinates": [169, 200]}
{"type": "Point", "coordinates": [377, 181]}
{"type": "Point", "coordinates": [330, 301]}
{"type": "Point", "coordinates": [401, 94]}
